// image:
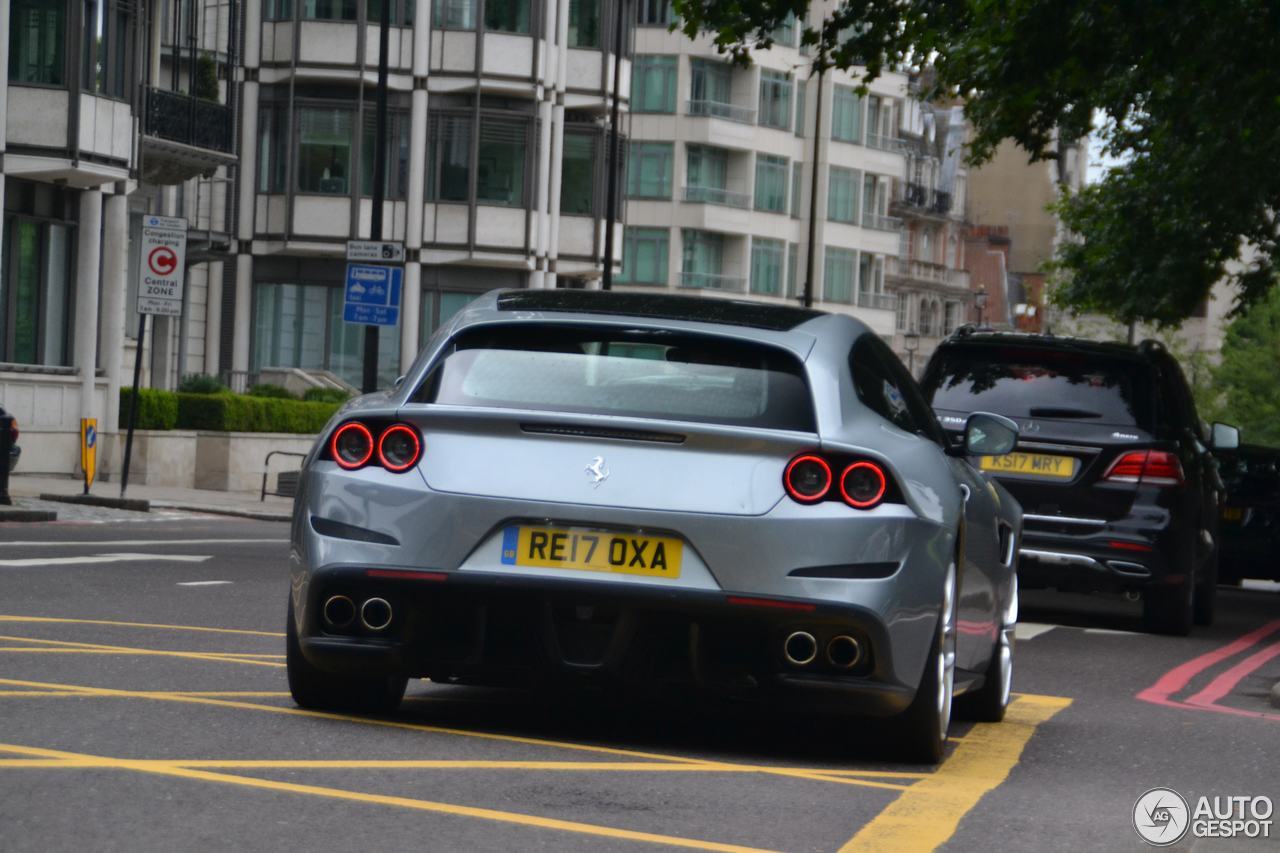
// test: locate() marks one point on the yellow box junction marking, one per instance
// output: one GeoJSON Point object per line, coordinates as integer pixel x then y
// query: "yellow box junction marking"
{"type": "Point", "coordinates": [928, 813]}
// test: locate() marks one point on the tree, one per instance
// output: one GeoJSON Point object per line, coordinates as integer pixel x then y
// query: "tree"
{"type": "Point", "coordinates": [1184, 93]}
{"type": "Point", "coordinates": [1246, 376]}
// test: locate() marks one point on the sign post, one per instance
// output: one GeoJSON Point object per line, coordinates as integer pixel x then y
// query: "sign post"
{"type": "Point", "coordinates": [161, 277]}
{"type": "Point", "coordinates": [89, 451]}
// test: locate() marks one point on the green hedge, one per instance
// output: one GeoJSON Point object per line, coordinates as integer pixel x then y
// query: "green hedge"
{"type": "Point", "coordinates": [156, 409]}
{"type": "Point", "coordinates": [224, 412]}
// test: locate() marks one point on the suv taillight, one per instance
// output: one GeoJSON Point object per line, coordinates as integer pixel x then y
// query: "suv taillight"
{"type": "Point", "coordinates": [1155, 467]}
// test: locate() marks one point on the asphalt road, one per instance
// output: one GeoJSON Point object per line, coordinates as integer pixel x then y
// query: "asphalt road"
{"type": "Point", "coordinates": [143, 707]}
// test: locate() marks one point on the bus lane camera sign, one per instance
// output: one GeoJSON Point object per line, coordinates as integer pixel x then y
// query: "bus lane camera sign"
{"type": "Point", "coordinates": [163, 265]}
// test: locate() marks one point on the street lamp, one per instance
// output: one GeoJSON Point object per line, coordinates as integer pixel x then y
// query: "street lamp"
{"type": "Point", "coordinates": [980, 300]}
{"type": "Point", "coordinates": [911, 343]}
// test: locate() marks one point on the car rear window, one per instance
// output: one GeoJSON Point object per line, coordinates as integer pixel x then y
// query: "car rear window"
{"type": "Point", "coordinates": [1043, 383]}
{"type": "Point", "coordinates": [626, 372]}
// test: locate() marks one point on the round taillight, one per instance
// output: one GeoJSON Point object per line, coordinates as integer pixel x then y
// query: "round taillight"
{"type": "Point", "coordinates": [399, 448]}
{"type": "Point", "coordinates": [862, 485]}
{"type": "Point", "coordinates": [807, 478]}
{"type": "Point", "coordinates": [352, 445]}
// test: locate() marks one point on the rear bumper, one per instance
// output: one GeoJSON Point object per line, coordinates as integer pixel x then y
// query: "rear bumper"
{"type": "Point", "coordinates": [1112, 558]}
{"type": "Point", "coordinates": [527, 632]}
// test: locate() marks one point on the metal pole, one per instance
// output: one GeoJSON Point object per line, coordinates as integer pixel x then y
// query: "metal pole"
{"type": "Point", "coordinates": [615, 150]}
{"type": "Point", "coordinates": [370, 383]}
{"type": "Point", "coordinates": [133, 403]}
{"type": "Point", "coordinates": [820, 67]}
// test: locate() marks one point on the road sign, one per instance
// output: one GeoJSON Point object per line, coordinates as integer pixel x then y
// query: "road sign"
{"type": "Point", "coordinates": [375, 251]}
{"type": "Point", "coordinates": [372, 295]}
{"type": "Point", "coordinates": [162, 271]}
{"type": "Point", "coordinates": [89, 451]}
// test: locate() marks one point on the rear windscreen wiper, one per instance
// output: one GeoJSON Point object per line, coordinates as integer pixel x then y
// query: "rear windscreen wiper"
{"type": "Point", "coordinates": [1061, 412]}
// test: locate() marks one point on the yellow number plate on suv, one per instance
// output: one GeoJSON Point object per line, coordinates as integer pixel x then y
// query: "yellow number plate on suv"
{"type": "Point", "coordinates": [1031, 464]}
{"type": "Point", "coordinates": [590, 550]}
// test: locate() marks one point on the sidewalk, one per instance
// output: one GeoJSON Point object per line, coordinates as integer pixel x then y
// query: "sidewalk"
{"type": "Point", "coordinates": [26, 489]}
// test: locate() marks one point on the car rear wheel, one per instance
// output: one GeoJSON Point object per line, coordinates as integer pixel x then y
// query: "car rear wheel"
{"type": "Point", "coordinates": [988, 703]}
{"type": "Point", "coordinates": [1168, 609]}
{"type": "Point", "coordinates": [318, 690]}
{"type": "Point", "coordinates": [922, 728]}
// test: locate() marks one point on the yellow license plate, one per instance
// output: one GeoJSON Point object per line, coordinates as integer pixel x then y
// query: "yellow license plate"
{"type": "Point", "coordinates": [1031, 464]}
{"type": "Point", "coordinates": [590, 550]}
{"type": "Point", "coordinates": [1232, 513]}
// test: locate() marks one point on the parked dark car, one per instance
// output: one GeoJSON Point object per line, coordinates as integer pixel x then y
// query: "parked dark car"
{"type": "Point", "coordinates": [1251, 515]}
{"type": "Point", "coordinates": [14, 450]}
{"type": "Point", "coordinates": [1113, 467]}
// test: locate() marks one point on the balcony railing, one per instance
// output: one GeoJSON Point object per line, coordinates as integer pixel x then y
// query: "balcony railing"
{"type": "Point", "coordinates": [915, 196]}
{"type": "Point", "coordinates": [883, 143]}
{"type": "Point", "coordinates": [718, 109]}
{"type": "Point", "coordinates": [878, 301]}
{"type": "Point", "coordinates": [881, 223]}
{"type": "Point", "coordinates": [711, 281]}
{"type": "Point", "coordinates": [717, 195]}
{"type": "Point", "coordinates": [179, 117]}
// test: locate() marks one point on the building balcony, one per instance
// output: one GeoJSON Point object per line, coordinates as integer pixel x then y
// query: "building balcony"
{"type": "Point", "coordinates": [716, 109]}
{"type": "Point", "coordinates": [184, 136]}
{"type": "Point", "coordinates": [878, 301]}
{"type": "Point", "coordinates": [923, 272]}
{"type": "Point", "coordinates": [717, 195]}
{"type": "Point", "coordinates": [881, 223]}
{"type": "Point", "coordinates": [917, 199]}
{"type": "Point", "coordinates": [712, 281]}
{"type": "Point", "coordinates": [884, 143]}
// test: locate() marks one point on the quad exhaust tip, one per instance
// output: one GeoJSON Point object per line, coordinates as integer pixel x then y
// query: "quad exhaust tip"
{"type": "Point", "coordinates": [844, 652]}
{"type": "Point", "coordinates": [339, 611]}
{"type": "Point", "coordinates": [800, 648]}
{"type": "Point", "coordinates": [375, 614]}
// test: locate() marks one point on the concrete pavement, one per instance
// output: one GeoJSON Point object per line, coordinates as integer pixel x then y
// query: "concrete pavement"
{"type": "Point", "coordinates": [31, 492]}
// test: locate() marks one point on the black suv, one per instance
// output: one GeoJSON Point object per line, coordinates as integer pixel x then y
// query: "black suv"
{"type": "Point", "coordinates": [1251, 516]}
{"type": "Point", "coordinates": [1119, 490]}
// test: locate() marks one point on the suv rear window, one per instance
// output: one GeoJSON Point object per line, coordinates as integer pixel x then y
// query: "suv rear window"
{"type": "Point", "coordinates": [628, 372]}
{"type": "Point", "coordinates": [1043, 383]}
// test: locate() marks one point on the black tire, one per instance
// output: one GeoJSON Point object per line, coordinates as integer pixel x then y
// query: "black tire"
{"type": "Point", "coordinates": [315, 689]}
{"type": "Point", "coordinates": [921, 730]}
{"type": "Point", "coordinates": [1206, 595]}
{"type": "Point", "coordinates": [1168, 609]}
{"type": "Point", "coordinates": [989, 702]}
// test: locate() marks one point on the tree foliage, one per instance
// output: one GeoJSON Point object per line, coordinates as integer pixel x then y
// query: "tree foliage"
{"type": "Point", "coordinates": [1246, 376]}
{"type": "Point", "coordinates": [1184, 91]}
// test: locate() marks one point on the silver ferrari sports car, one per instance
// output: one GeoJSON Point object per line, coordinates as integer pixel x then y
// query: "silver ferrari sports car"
{"type": "Point", "coordinates": [580, 488]}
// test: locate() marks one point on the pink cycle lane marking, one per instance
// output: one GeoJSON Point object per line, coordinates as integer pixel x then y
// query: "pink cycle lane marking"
{"type": "Point", "coordinates": [1179, 677]}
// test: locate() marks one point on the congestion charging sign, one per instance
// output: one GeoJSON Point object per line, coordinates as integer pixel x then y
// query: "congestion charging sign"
{"type": "Point", "coordinates": [163, 267]}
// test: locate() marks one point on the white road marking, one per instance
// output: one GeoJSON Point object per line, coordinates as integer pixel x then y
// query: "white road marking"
{"type": "Point", "coordinates": [137, 543]}
{"type": "Point", "coordinates": [90, 559]}
{"type": "Point", "coordinates": [1030, 630]}
{"type": "Point", "coordinates": [1115, 632]}
{"type": "Point", "coordinates": [1261, 586]}
{"type": "Point", "coordinates": [203, 583]}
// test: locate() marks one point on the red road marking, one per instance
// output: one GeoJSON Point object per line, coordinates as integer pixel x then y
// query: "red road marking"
{"type": "Point", "coordinates": [1180, 676]}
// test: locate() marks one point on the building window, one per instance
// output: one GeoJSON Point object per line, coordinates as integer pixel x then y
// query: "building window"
{"type": "Point", "coordinates": [900, 315]}
{"type": "Point", "coordinates": [775, 99]}
{"type": "Point", "coordinates": [37, 42]}
{"type": "Point", "coordinates": [584, 23]}
{"type": "Point", "coordinates": [797, 187]}
{"type": "Point", "coordinates": [644, 256]}
{"type": "Point", "coordinates": [107, 44]}
{"type": "Point", "coordinates": [653, 84]}
{"type": "Point", "coordinates": [506, 16]}
{"type": "Point", "coordinates": [455, 14]}
{"type": "Point", "coordinates": [846, 115]}
{"type": "Point", "coordinates": [951, 317]}
{"type": "Point", "coordinates": [35, 294]}
{"type": "Point", "coordinates": [842, 195]}
{"type": "Point", "coordinates": [277, 10]}
{"type": "Point", "coordinates": [839, 270]}
{"type": "Point", "coordinates": [449, 158]}
{"type": "Point", "coordinates": [786, 32]}
{"type": "Point", "coordinates": [649, 168]}
{"type": "Point", "coordinates": [800, 108]}
{"type": "Point", "coordinates": [793, 258]}
{"type": "Point", "coordinates": [273, 146]}
{"type": "Point", "coordinates": [397, 176]}
{"type": "Point", "coordinates": [653, 13]}
{"type": "Point", "coordinates": [711, 84]}
{"type": "Point", "coordinates": [503, 152]}
{"type": "Point", "coordinates": [578, 174]}
{"type": "Point", "coordinates": [324, 150]}
{"type": "Point", "coordinates": [707, 177]}
{"type": "Point", "coordinates": [401, 12]}
{"type": "Point", "coordinates": [767, 259]}
{"type": "Point", "coordinates": [296, 325]}
{"type": "Point", "coordinates": [771, 183]}
{"type": "Point", "coordinates": [874, 201]}
{"type": "Point", "coordinates": [330, 10]}
{"type": "Point", "coordinates": [702, 259]}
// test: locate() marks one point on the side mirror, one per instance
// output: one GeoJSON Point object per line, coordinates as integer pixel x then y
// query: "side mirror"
{"type": "Point", "coordinates": [986, 434]}
{"type": "Point", "coordinates": [1225, 437]}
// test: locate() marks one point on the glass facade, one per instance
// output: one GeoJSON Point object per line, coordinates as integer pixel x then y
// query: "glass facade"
{"type": "Point", "coordinates": [455, 14]}
{"type": "Point", "coordinates": [108, 49]}
{"type": "Point", "coordinates": [644, 256]}
{"type": "Point", "coordinates": [584, 23]}
{"type": "Point", "coordinates": [330, 10]}
{"type": "Point", "coordinates": [797, 187]}
{"type": "Point", "coordinates": [502, 154]}
{"type": "Point", "coordinates": [649, 168]}
{"type": "Point", "coordinates": [842, 195]}
{"type": "Point", "coordinates": [325, 140]}
{"type": "Point", "coordinates": [767, 260]}
{"type": "Point", "coordinates": [653, 13]}
{"type": "Point", "coordinates": [578, 174]}
{"type": "Point", "coordinates": [846, 115]}
{"type": "Point", "coordinates": [35, 292]}
{"type": "Point", "coordinates": [702, 258]}
{"type": "Point", "coordinates": [653, 84]}
{"type": "Point", "coordinates": [710, 82]}
{"type": "Point", "coordinates": [506, 16]}
{"type": "Point", "coordinates": [775, 99]}
{"type": "Point", "coordinates": [449, 157]}
{"type": "Point", "coordinates": [771, 183]}
{"type": "Point", "coordinates": [38, 42]}
{"type": "Point", "coordinates": [839, 274]}
{"type": "Point", "coordinates": [707, 168]}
